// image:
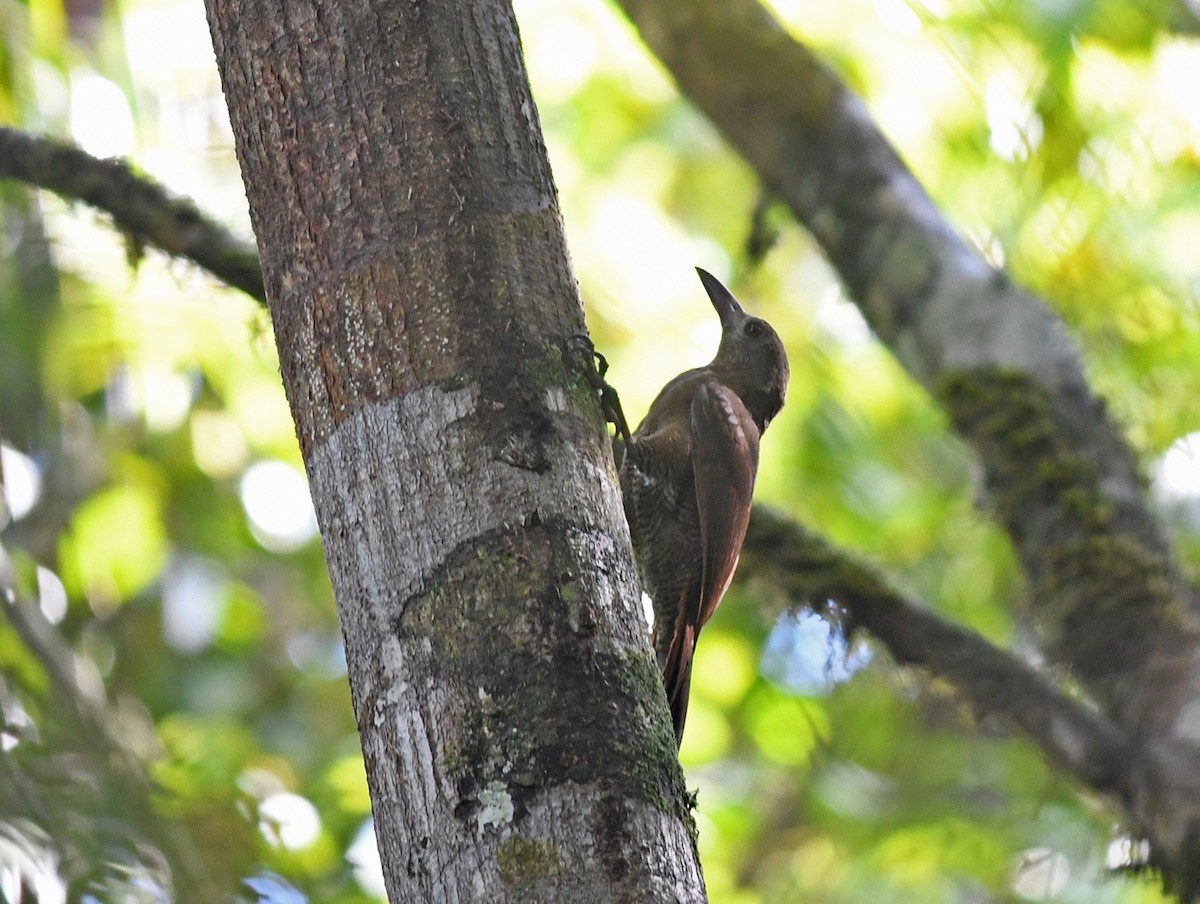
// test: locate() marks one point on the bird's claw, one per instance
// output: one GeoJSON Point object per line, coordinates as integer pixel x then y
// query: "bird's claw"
{"type": "Point", "coordinates": [582, 344]}
{"type": "Point", "coordinates": [593, 365]}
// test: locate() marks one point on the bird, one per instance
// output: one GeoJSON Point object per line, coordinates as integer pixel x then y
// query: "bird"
{"type": "Point", "coordinates": [687, 477]}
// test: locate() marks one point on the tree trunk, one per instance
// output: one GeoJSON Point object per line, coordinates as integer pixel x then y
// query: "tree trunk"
{"type": "Point", "coordinates": [515, 736]}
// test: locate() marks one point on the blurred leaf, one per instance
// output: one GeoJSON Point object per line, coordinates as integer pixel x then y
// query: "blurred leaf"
{"type": "Point", "coordinates": [204, 756]}
{"type": "Point", "coordinates": [923, 855]}
{"type": "Point", "coordinates": [116, 545]}
{"type": "Point", "coordinates": [348, 778]}
{"type": "Point", "coordinates": [787, 729]}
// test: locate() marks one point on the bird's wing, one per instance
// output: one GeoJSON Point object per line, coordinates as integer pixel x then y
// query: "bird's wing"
{"type": "Point", "coordinates": [724, 443]}
{"type": "Point", "coordinates": [725, 462]}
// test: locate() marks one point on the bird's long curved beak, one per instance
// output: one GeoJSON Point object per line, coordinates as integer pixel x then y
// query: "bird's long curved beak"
{"type": "Point", "coordinates": [722, 299]}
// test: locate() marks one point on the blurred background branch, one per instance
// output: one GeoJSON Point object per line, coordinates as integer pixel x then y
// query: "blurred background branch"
{"type": "Point", "coordinates": [141, 209]}
{"type": "Point", "coordinates": [813, 574]}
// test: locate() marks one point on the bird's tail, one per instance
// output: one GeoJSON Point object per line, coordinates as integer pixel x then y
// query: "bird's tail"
{"type": "Point", "coordinates": [677, 675]}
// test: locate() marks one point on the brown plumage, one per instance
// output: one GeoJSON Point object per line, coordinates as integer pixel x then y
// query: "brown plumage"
{"type": "Point", "coordinates": [688, 477]}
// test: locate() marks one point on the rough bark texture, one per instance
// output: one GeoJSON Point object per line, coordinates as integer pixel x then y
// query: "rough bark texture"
{"type": "Point", "coordinates": [1113, 607]}
{"type": "Point", "coordinates": [515, 736]}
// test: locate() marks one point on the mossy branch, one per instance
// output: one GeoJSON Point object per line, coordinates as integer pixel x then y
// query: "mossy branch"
{"type": "Point", "coordinates": [140, 207]}
{"type": "Point", "coordinates": [812, 573]}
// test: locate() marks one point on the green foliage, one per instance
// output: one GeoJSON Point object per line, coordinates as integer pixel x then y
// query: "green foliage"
{"type": "Point", "coordinates": [1061, 138]}
{"type": "Point", "coordinates": [115, 546]}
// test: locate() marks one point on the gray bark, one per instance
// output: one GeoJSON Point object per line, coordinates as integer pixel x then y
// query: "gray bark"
{"type": "Point", "coordinates": [514, 732]}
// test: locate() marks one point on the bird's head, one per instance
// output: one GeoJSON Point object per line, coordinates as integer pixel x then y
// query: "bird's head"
{"type": "Point", "coordinates": [751, 359]}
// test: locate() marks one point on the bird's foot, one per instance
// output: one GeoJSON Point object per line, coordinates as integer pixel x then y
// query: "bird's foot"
{"type": "Point", "coordinates": [593, 366]}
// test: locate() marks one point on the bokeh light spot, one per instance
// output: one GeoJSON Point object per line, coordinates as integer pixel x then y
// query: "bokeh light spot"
{"type": "Point", "coordinates": [275, 497]}
{"type": "Point", "coordinates": [363, 855]}
{"type": "Point", "coordinates": [289, 820]}
{"type": "Point", "coordinates": [22, 481]}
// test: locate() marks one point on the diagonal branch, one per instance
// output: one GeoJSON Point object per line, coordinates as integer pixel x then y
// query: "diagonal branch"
{"type": "Point", "coordinates": [813, 573]}
{"type": "Point", "coordinates": [141, 208]}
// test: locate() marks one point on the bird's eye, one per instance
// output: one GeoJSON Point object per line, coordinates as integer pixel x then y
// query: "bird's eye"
{"type": "Point", "coordinates": [754, 329]}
